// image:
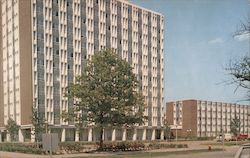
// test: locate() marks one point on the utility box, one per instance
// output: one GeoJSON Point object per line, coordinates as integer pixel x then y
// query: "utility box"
{"type": "Point", "coordinates": [50, 142]}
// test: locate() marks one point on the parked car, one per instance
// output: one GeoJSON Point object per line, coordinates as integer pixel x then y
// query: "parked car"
{"type": "Point", "coordinates": [242, 137]}
{"type": "Point", "coordinates": [243, 152]}
{"type": "Point", "coordinates": [227, 137]}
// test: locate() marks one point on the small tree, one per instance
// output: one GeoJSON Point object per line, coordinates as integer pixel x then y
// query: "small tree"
{"type": "Point", "coordinates": [38, 122]}
{"type": "Point", "coordinates": [106, 94]}
{"type": "Point", "coordinates": [235, 126]}
{"type": "Point", "coordinates": [12, 128]}
{"type": "Point", "coordinates": [167, 129]}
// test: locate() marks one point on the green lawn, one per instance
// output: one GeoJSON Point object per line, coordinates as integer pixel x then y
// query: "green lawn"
{"type": "Point", "coordinates": [151, 154]}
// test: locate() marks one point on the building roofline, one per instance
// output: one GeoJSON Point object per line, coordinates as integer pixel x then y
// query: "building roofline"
{"type": "Point", "coordinates": [206, 101]}
{"type": "Point", "coordinates": [137, 6]}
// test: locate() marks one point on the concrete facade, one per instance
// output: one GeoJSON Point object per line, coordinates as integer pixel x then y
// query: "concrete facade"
{"type": "Point", "coordinates": [45, 45]}
{"type": "Point", "coordinates": [199, 118]}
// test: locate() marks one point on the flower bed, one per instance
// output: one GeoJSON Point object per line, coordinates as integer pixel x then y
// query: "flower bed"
{"type": "Point", "coordinates": [124, 146]}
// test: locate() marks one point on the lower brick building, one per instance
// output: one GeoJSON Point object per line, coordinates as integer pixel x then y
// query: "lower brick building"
{"type": "Point", "coordinates": [199, 118]}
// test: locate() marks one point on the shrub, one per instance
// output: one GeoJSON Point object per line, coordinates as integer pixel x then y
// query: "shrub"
{"type": "Point", "coordinates": [74, 147]}
{"type": "Point", "coordinates": [164, 146]}
{"type": "Point", "coordinates": [123, 146]}
{"type": "Point", "coordinates": [22, 148]}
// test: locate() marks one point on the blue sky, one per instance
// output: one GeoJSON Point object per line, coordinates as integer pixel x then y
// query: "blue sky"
{"type": "Point", "coordinates": [199, 46]}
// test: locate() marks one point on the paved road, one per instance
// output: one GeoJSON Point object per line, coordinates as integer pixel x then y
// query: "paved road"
{"type": "Point", "coordinates": [229, 153]}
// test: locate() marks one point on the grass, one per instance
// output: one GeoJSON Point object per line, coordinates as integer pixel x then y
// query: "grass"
{"type": "Point", "coordinates": [152, 154]}
{"type": "Point", "coordinates": [230, 143]}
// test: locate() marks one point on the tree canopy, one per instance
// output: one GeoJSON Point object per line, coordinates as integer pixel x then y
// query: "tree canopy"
{"type": "Point", "coordinates": [106, 94]}
{"type": "Point", "coordinates": [239, 70]}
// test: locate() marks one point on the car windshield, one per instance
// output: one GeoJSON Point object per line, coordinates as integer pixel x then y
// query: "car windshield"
{"type": "Point", "coordinates": [245, 153]}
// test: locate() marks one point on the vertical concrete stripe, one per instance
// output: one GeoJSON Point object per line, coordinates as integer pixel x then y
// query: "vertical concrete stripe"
{"type": "Point", "coordinates": [108, 25]}
{"type": "Point", "coordinates": [158, 71]}
{"type": "Point", "coordinates": [150, 110]}
{"type": "Point", "coordinates": [140, 48]}
{"type": "Point", "coordinates": [1, 74]}
{"type": "Point", "coordinates": [130, 32]}
{"type": "Point", "coordinates": [14, 66]}
{"type": "Point", "coordinates": [56, 62]}
{"type": "Point", "coordinates": [119, 29]}
{"type": "Point", "coordinates": [40, 56]}
{"type": "Point", "coordinates": [96, 26]}
{"type": "Point", "coordinates": [70, 47]}
{"type": "Point", "coordinates": [83, 34]}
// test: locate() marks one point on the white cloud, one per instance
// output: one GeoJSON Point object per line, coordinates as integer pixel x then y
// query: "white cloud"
{"type": "Point", "coordinates": [243, 37]}
{"type": "Point", "coordinates": [217, 40]}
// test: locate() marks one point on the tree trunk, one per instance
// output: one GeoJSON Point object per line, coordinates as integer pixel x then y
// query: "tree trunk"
{"type": "Point", "coordinates": [101, 139]}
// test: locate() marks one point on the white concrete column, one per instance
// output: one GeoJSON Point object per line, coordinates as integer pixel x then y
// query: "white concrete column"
{"type": "Point", "coordinates": [20, 136]}
{"type": "Point", "coordinates": [124, 134]}
{"type": "Point", "coordinates": [153, 134]}
{"type": "Point", "coordinates": [8, 137]}
{"type": "Point", "coordinates": [32, 136]}
{"type": "Point", "coordinates": [90, 135]}
{"type": "Point", "coordinates": [144, 134]}
{"type": "Point", "coordinates": [113, 135]}
{"type": "Point", "coordinates": [135, 134]}
{"type": "Point", "coordinates": [162, 134]}
{"type": "Point", "coordinates": [77, 135]}
{"type": "Point", "coordinates": [63, 138]}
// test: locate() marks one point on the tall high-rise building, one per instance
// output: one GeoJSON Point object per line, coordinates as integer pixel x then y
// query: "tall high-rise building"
{"type": "Point", "coordinates": [45, 45]}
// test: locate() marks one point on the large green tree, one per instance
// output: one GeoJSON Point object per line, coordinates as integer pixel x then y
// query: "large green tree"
{"type": "Point", "coordinates": [107, 94]}
{"type": "Point", "coordinates": [12, 128]}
